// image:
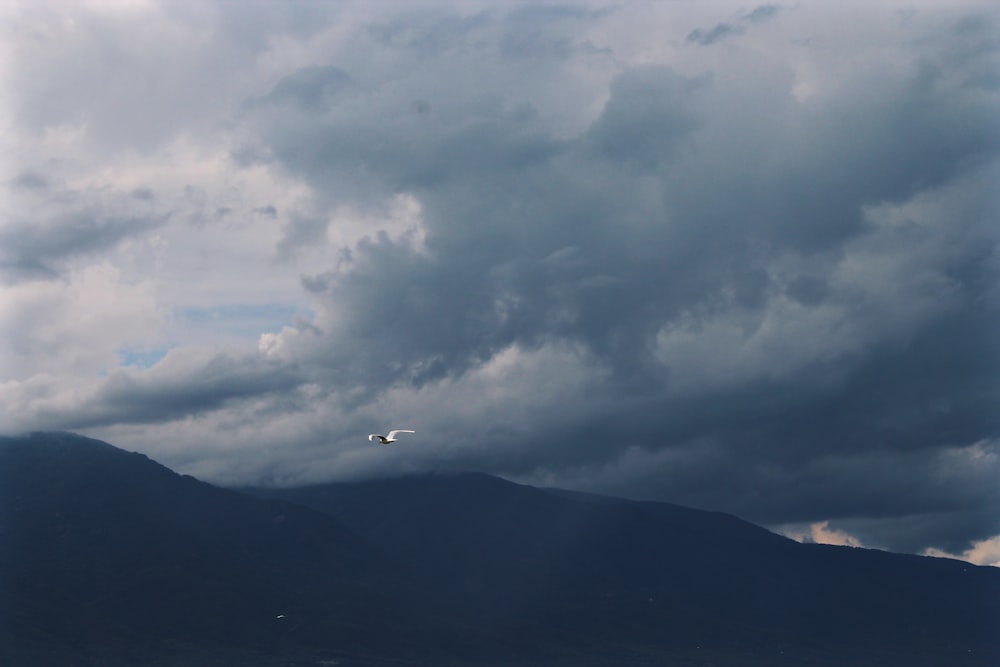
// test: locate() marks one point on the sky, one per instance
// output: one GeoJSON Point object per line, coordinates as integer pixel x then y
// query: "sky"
{"type": "Point", "coordinates": [740, 257]}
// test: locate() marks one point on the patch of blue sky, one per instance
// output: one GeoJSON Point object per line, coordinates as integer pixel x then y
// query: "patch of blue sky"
{"type": "Point", "coordinates": [242, 320]}
{"type": "Point", "coordinates": [141, 358]}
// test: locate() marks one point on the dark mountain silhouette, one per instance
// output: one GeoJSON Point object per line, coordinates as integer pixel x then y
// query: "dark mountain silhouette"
{"type": "Point", "coordinates": [108, 558]}
{"type": "Point", "coordinates": [644, 575]}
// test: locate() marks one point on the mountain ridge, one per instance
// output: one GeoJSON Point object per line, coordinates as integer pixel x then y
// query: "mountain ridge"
{"type": "Point", "coordinates": [708, 566]}
{"type": "Point", "coordinates": [107, 557]}
{"type": "Point", "coordinates": [114, 550]}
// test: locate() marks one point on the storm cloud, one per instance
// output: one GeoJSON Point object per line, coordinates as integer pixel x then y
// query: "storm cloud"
{"type": "Point", "coordinates": [740, 260]}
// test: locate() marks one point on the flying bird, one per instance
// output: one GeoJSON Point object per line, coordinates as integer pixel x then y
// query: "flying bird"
{"type": "Point", "coordinates": [388, 439]}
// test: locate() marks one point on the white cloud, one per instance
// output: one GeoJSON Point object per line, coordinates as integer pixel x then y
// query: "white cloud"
{"type": "Point", "coordinates": [75, 327]}
{"type": "Point", "coordinates": [821, 533]}
{"type": "Point", "coordinates": [982, 552]}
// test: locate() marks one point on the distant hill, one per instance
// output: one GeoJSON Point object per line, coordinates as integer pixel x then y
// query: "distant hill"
{"type": "Point", "coordinates": [108, 558]}
{"type": "Point", "coordinates": [665, 580]}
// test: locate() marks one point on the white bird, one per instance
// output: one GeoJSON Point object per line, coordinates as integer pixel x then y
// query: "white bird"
{"type": "Point", "coordinates": [388, 439]}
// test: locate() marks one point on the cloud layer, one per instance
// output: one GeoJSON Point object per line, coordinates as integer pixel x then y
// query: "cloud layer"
{"type": "Point", "coordinates": [738, 259]}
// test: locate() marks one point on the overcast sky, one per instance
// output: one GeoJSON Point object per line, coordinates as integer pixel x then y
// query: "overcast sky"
{"type": "Point", "coordinates": [738, 257]}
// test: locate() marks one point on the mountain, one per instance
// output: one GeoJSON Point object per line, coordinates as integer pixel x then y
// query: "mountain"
{"type": "Point", "coordinates": [646, 576]}
{"type": "Point", "coordinates": [108, 558]}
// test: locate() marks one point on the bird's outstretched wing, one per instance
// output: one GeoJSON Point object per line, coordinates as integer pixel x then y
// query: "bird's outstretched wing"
{"type": "Point", "coordinates": [392, 434]}
{"type": "Point", "coordinates": [373, 436]}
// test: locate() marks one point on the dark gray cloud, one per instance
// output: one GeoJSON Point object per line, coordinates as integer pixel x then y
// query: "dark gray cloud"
{"type": "Point", "coordinates": [425, 33]}
{"type": "Point", "coordinates": [541, 32]}
{"type": "Point", "coordinates": [301, 231]}
{"type": "Point", "coordinates": [716, 34]}
{"type": "Point", "coordinates": [650, 226]}
{"type": "Point", "coordinates": [187, 388]}
{"type": "Point", "coordinates": [313, 88]}
{"type": "Point", "coordinates": [605, 238]}
{"type": "Point", "coordinates": [763, 13]}
{"type": "Point", "coordinates": [721, 31]}
{"type": "Point", "coordinates": [33, 248]}
{"type": "Point", "coordinates": [647, 115]}
{"type": "Point", "coordinates": [30, 180]}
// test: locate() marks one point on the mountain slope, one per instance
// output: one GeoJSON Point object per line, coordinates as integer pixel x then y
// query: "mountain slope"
{"type": "Point", "coordinates": [108, 558]}
{"type": "Point", "coordinates": [106, 555]}
{"type": "Point", "coordinates": [655, 575]}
